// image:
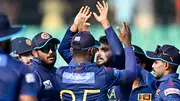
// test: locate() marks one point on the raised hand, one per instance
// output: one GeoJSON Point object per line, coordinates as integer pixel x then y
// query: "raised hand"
{"type": "Point", "coordinates": [103, 17]}
{"type": "Point", "coordinates": [83, 24]}
{"type": "Point", "coordinates": [83, 12]}
{"type": "Point", "coordinates": [125, 35]}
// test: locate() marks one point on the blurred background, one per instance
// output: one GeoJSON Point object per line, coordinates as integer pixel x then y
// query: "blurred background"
{"type": "Point", "coordinates": [152, 22]}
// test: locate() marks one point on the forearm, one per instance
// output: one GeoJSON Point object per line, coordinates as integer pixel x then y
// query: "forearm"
{"type": "Point", "coordinates": [130, 64]}
{"type": "Point", "coordinates": [64, 48]}
{"type": "Point", "coordinates": [116, 47]}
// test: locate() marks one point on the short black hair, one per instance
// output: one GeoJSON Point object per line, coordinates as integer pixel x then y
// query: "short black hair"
{"type": "Point", "coordinates": [103, 40]}
{"type": "Point", "coordinates": [173, 68]}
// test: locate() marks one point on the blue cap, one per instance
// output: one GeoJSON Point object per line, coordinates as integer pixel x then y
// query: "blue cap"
{"type": "Point", "coordinates": [6, 31]}
{"type": "Point", "coordinates": [166, 53]}
{"type": "Point", "coordinates": [21, 45]}
{"type": "Point", "coordinates": [83, 41]}
{"type": "Point", "coordinates": [41, 39]}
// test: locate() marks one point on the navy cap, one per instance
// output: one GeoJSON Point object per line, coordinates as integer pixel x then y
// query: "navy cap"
{"type": "Point", "coordinates": [6, 31]}
{"type": "Point", "coordinates": [166, 53]}
{"type": "Point", "coordinates": [83, 41]}
{"type": "Point", "coordinates": [41, 39]}
{"type": "Point", "coordinates": [139, 52]}
{"type": "Point", "coordinates": [21, 45]}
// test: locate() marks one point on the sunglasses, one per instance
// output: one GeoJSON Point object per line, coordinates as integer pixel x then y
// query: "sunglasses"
{"type": "Point", "coordinates": [47, 48]}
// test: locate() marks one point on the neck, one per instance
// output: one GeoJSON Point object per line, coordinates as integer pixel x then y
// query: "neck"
{"type": "Point", "coordinates": [81, 59]}
{"type": "Point", "coordinates": [166, 73]}
{"type": "Point", "coordinates": [136, 83]}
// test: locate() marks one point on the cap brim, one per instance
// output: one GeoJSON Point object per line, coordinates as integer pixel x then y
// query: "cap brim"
{"type": "Point", "coordinates": [97, 44]}
{"type": "Point", "coordinates": [152, 55]}
{"type": "Point", "coordinates": [9, 33]}
{"type": "Point", "coordinates": [53, 40]}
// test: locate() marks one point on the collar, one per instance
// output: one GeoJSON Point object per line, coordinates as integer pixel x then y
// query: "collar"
{"type": "Point", "coordinates": [172, 75]}
{"type": "Point", "coordinates": [40, 65]}
{"type": "Point", "coordinates": [74, 64]}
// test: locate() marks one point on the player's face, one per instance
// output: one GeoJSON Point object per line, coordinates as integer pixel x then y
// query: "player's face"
{"type": "Point", "coordinates": [104, 55]}
{"type": "Point", "coordinates": [47, 54]}
{"type": "Point", "coordinates": [158, 68]}
{"type": "Point", "coordinates": [26, 58]}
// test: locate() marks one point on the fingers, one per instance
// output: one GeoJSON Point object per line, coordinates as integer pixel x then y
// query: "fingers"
{"type": "Point", "coordinates": [95, 15]}
{"type": "Point", "coordinates": [87, 11]}
{"type": "Point", "coordinates": [81, 10]}
{"type": "Point", "coordinates": [88, 16]}
{"type": "Point", "coordinates": [119, 31]}
{"type": "Point", "coordinates": [99, 9]}
{"type": "Point", "coordinates": [124, 26]}
{"type": "Point", "coordinates": [107, 5]}
{"type": "Point", "coordinates": [100, 5]}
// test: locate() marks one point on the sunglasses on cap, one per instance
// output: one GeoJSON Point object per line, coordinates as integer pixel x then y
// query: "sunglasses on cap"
{"type": "Point", "coordinates": [47, 48]}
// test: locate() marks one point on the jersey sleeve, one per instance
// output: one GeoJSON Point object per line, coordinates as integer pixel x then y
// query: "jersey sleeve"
{"type": "Point", "coordinates": [147, 77]}
{"type": "Point", "coordinates": [130, 73]}
{"type": "Point", "coordinates": [117, 49]}
{"type": "Point", "coordinates": [170, 91]}
{"type": "Point", "coordinates": [64, 48]}
{"type": "Point", "coordinates": [28, 84]}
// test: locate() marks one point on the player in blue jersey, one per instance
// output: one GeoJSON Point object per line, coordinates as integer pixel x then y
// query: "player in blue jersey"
{"type": "Point", "coordinates": [83, 79]}
{"type": "Point", "coordinates": [16, 80]}
{"type": "Point", "coordinates": [137, 90]}
{"type": "Point", "coordinates": [110, 53]}
{"type": "Point", "coordinates": [21, 49]}
{"type": "Point", "coordinates": [166, 61]}
{"type": "Point", "coordinates": [44, 52]}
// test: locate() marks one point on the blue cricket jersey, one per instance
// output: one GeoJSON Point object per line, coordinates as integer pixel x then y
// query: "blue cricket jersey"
{"type": "Point", "coordinates": [89, 82]}
{"type": "Point", "coordinates": [47, 88]}
{"type": "Point", "coordinates": [167, 88]}
{"type": "Point", "coordinates": [118, 59]}
{"type": "Point", "coordinates": [16, 79]}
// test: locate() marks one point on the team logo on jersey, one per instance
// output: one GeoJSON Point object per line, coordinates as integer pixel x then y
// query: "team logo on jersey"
{"type": "Point", "coordinates": [28, 42]}
{"type": "Point", "coordinates": [81, 78]}
{"type": "Point", "coordinates": [47, 84]}
{"type": "Point", "coordinates": [30, 78]}
{"type": "Point", "coordinates": [171, 91]}
{"type": "Point", "coordinates": [45, 36]}
{"type": "Point", "coordinates": [144, 97]}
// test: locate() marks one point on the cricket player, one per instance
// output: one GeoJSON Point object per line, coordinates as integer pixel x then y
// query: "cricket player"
{"type": "Point", "coordinates": [16, 80]}
{"type": "Point", "coordinates": [21, 49]}
{"type": "Point", "coordinates": [44, 52]}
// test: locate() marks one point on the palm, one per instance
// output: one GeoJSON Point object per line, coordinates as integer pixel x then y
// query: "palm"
{"type": "Point", "coordinates": [103, 10]}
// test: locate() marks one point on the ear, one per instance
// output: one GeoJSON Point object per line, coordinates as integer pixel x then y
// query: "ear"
{"type": "Point", "coordinates": [166, 65]}
{"type": "Point", "coordinates": [144, 65]}
{"type": "Point", "coordinates": [91, 51]}
{"type": "Point", "coordinates": [71, 50]}
{"type": "Point", "coordinates": [34, 53]}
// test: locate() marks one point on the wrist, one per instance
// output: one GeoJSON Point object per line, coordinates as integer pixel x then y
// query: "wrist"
{"type": "Point", "coordinates": [74, 28]}
{"type": "Point", "coordinates": [127, 44]}
{"type": "Point", "coordinates": [105, 24]}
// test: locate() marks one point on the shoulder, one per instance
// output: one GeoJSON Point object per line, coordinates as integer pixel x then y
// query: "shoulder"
{"type": "Point", "coordinates": [61, 69]}
{"type": "Point", "coordinates": [170, 87]}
